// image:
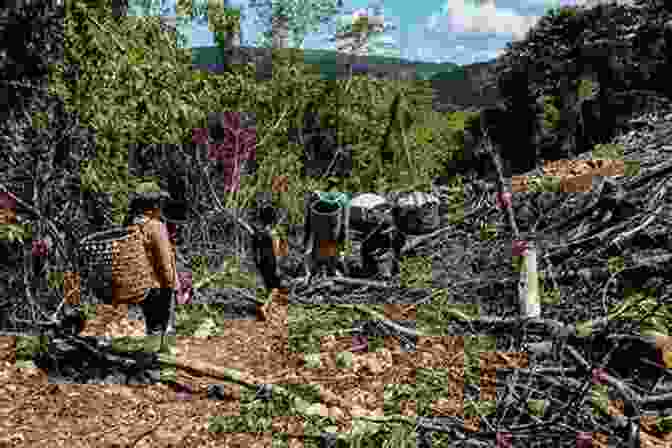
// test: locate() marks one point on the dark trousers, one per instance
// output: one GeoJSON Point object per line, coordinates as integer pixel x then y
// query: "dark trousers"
{"type": "Point", "coordinates": [157, 309]}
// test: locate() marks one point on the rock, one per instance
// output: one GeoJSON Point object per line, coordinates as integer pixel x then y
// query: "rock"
{"type": "Point", "coordinates": [216, 392]}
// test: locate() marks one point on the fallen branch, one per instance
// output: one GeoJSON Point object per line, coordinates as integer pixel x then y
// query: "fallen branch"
{"type": "Point", "coordinates": [235, 376]}
{"type": "Point", "coordinates": [626, 237]}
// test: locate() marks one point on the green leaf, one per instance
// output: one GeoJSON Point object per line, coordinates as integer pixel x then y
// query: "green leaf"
{"type": "Point", "coordinates": [206, 328]}
{"type": "Point", "coordinates": [584, 329]}
{"type": "Point", "coordinates": [55, 279]}
{"type": "Point", "coordinates": [600, 399]}
{"type": "Point", "coordinates": [25, 364]}
{"type": "Point", "coordinates": [344, 360]}
{"type": "Point", "coordinates": [313, 409]}
{"type": "Point", "coordinates": [536, 407]}
{"type": "Point", "coordinates": [664, 424]}
{"type": "Point", "coordinates": [312, 360]}
{"type": "Point", "coordinates": [615, 264]}
{"type": "Point", "coordinates": [631, 167]}
{"type": "Point", "coordinates": [301, 405]}
{"type": "Point", "coordinates": [362, 428]}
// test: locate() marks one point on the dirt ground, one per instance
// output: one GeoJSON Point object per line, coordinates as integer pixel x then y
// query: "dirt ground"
{"type": "Point", "coordinates": [37, 413]}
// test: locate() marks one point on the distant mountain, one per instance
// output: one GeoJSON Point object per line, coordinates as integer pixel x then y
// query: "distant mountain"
{"type": "Point", "coordinates": [331, 64]}
{"type": "Point", "coordinates": [456, 87]}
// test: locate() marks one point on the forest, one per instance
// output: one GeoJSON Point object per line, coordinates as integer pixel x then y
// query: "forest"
{"type": "Point", "coordinates": [95, 103]}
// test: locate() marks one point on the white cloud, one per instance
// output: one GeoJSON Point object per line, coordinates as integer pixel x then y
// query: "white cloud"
{"type": "Point", "coordinates": [480, 17]}
{"type": "Point", "coordinates": [590, 3]}
{"type": "Point", "coordinates": [559, 3]}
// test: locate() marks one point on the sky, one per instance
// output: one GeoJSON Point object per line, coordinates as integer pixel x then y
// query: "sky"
{"type": "Point", "coordinates": [457, 31]}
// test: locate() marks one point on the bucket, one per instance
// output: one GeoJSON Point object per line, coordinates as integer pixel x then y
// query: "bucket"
{"type": "Point", "coordinates": [326, 219]}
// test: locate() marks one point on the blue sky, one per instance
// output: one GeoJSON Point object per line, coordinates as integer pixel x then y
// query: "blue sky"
{"type": "Point", "coordinates": [458, 31]}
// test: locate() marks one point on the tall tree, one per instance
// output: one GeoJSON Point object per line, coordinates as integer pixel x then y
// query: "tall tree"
{"type": "Point", "coordinates": [148, 7]}
{"type": "Point", "coordinates": [303, 17]}
{"type": "Point", "coordinates": [204, 12]}
{"type": "Point", "coordinates": [161, 9]}
{"type": "Point", "coordinates": [359, 34]}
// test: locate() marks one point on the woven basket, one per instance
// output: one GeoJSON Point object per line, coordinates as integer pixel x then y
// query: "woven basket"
{"type": "Point", "coordinates": [116, 262]}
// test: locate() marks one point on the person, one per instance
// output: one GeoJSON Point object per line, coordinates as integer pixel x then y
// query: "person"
{"type": "Point", "coordinates": [313, 260]}
{"type": "Point", "coordinates": [156, 303]}
{"type": "Point", "coordinates": [264, 255]}
{"type": "Point", "coordinates": [383, 236]}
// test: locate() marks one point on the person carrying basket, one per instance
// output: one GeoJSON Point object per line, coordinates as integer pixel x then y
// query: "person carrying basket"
{"type": "Point", "coordinates": [134, 266]}
{"type": "Point", "coordinates": [156, 301]}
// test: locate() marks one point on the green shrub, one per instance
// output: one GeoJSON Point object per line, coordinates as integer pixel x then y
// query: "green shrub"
{"type": "Point", "coordinates": [585, 88]}
{"type": "Point", "coordinates": [608, 151]}
{"type": "Point", "coordinates": [29, 346]}
{"type": "Point", "coordinates": [551, 113]}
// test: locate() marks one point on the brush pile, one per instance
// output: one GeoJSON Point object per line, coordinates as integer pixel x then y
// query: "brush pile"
{"type": "Point", "coordinates": [604, 252]}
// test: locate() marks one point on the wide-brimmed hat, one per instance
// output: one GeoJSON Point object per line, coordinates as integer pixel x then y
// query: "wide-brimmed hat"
{"type": "Point", "coordinates": [146, 195]}
{"type": "Point", "coordinates": [149, 191]}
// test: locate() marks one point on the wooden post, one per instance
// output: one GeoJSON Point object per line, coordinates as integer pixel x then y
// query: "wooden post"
{"type": "Point", "coordinates": [528, 286]}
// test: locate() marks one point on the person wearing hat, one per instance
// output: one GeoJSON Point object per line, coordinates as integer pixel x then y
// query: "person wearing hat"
{"type": "Point", "coordinates": [157, 303]}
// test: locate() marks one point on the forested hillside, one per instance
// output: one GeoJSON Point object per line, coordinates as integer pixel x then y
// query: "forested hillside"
{"type": "Point", "coordinates": [327, 63]}
{"type": "Point", "coordinates": [576, 79]}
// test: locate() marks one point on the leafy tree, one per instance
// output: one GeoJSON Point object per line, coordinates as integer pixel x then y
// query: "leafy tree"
{"type": "Point", "coordinates": [524, 119]}
{"type": "Point", "coordinates": [304, 16]}
{"type": "Point", "coordinates": [135, 88]}
{"type": "Point", "coordinates": [157, 8]}
{"type": "Point", "coordinates": [147, 7]}
{"type": "Point", "coordinates": [42, 142]}
{"type": "Point", "coordinates": [616, 44]}
{"type": "Point", "coordinates": [365, 34]}
{"type": "Point", "coordinates": [361, 37]}
{"type": "Point", "coordinates": [551, 112]}
{"type": "Point", "coordinates": [227, 29]}
{"type": "Point", "coordinates": [98, 85]}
